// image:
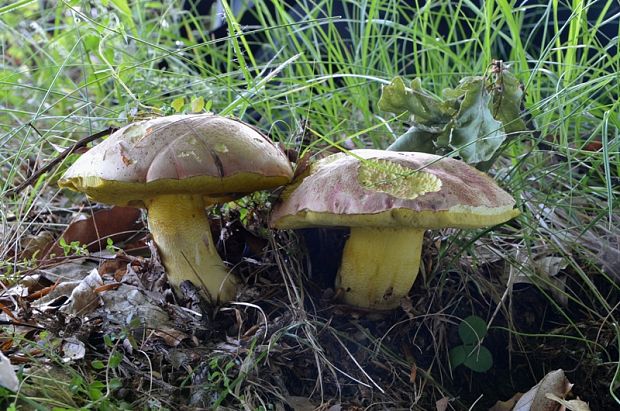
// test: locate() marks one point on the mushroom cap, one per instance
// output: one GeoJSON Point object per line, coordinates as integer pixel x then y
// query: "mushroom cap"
{"type": "Point", "coordinates": [221, 158]}
{"type": "Point", "coordinates": [375, 188]}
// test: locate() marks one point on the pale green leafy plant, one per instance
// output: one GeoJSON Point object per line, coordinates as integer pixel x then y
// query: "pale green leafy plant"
{"type": "Point", "coordinates": [472, 120]}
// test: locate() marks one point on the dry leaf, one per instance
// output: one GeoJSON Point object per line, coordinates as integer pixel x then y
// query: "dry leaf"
{"type": "Point", "coordinates": [56, 298]}
{"type": "Point", "coordinates": [506, 405]}
{"type": "Point", "coordinates": [170, 336]}
{"type": "Point", "coordinates": [84, 297]}
{"type": "Point", "coordinates": [69, 270]}
{"type": "Point", "coordinates": [116, 267]}
{"type": "Point", "coordinates": [36, 245]}
{"type": "Point", "coordinates": [128, 302]}
{"type": "Point", "coordinates": [300, 403]}
{"type": "Point", "coordinates": [442, 404]}
{"type": "Point", "coordinates": [8, 378]}
{"type": "Point", "coordinates": [536, 399]}
{"type": "Point", "coordinates": [413, 373]}
{"type": "Point", "coordinates": [117, 223]}
{"type": "Point", "coordinates": [549, 268]}
{"type": "Point", "coordinates": [572, 405]}
{"type": "Point", "coordinates": [63, 294]}
{"type": "Point", "coordinates": [73, 349]}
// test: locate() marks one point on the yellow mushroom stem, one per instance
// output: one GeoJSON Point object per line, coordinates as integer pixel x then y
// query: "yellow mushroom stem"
{"type": "Point", "coordinates": [379, 266]}
{"type": "Point", "coordinates": [180, 228]}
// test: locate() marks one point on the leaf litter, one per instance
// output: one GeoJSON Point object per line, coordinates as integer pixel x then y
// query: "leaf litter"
{"type": "Point", "coordinates": [287, 340]}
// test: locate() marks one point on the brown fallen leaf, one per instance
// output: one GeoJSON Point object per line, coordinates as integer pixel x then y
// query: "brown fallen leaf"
{"type": "Point", "coordinates": [43, 292]}
{"type": "Point", "coordinates": [170, 336]}
{"type": "Point", "coordinates": [8, 312]}
{"type": "Point", "coordinates": [506, 405]}
{"type": "Point", "coordinates": [75, 297]}
{"type": "Point", "coordinates": [117, 223]}
{"type": "Point", "coordinates": [116, 267]}
{"type": "Point", "coordinates": [413, 373]}
{"type": "Point", "coordinates": [107, 287]}
{"type": "Point", "coordinates": [547, 267]}
{"type": "Point", "coordinates": [6, 344]}
{"type": "Point", "coordinates": [67, 270]}
{"type": "Point", "coordinates": [36, 245]}
{"type": "Point", "coordinates": [28, 358]}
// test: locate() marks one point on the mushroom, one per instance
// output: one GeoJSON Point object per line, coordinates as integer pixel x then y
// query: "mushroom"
{"type": "Point", "coordinates": [175, 167]}
{"type": "Point", "coordinates": [388, 199]}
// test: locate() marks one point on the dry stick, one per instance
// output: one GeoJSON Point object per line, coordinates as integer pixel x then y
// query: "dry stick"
{"type": "Point", "coordinates": [78, 144]}
{"type": "Point", "coordinates": [21, 324]}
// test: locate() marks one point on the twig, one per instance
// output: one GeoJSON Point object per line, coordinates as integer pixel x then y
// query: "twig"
{"type": "Point", "coordinates": [78, 144]}
{"type": "Point", "coordinates": [21, 324]}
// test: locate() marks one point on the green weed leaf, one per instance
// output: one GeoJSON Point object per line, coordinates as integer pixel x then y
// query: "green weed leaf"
{"type": "Point", "coordinates": [115, 383]}
{"type": "Point", "coordinates": [97, 365]}
{"type": "Point", "coordinates": [107, 339]}
{"type": "Point", "coordinates": [474, 133]}
{"type": "Point", "coordinates": [423, 106]}
{"type": "Point", "coordinates": [417, 138]}
{"type": "Point", "coordinates": [506, 102]}
{"type": "Point", "coordinates": [476, 358]}
{"type": "Point", "coordinates": [480, 359]}
{"type": "Point", "coordinates": [472, 329]}
{"type": "Point", "coordinates": [115, 360]}
{"type": "Point", "coordinates": [95, 390]}
{"type": "Point", "coordinates": [198, 104]}
{"type": "Point", "coordinates": [178, 104]}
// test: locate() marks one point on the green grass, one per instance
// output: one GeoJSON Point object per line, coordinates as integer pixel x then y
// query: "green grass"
{"type": "Point", "coordinates": [71, 70]}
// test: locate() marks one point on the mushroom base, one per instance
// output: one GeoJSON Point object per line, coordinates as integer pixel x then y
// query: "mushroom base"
{"type": "Point", "coordinates": [181, 231]}
{"type": "Point", "coordinates": [379, 266]}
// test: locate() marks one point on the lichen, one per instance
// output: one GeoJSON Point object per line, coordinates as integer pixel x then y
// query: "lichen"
{"type": "Point", "coordinates": [396, 180]}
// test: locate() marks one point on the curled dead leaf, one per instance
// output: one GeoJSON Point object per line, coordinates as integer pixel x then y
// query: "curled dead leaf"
{"type": "Point", "coordinates": [84, 297]}
{"type": "Point", "coordinates": [572, 405]}
{"type": "Point", "coordinates": [74, 296]}
{"type": "Point", "coordinates": [536, 398]}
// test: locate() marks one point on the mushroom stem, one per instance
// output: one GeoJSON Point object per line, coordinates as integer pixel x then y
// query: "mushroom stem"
{"type": "Point", "coordinates": [379, 265]}
{"type": "Point", "coordinates": [181, 231]}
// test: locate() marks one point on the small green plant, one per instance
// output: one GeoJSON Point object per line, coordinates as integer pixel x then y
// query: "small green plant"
{"type": "Point", "coordinates": [72, 248]}
{"type": "Point", "coordinates": [109, 245]}
{"type": "Point", "coordinates": [227, 375]}
{"type": "Point", "coordinates": [471, 354]}
{"type": "Point", "coordinates": [196, 105]}
{"type": "Point", "coordinates": [6, 270]}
